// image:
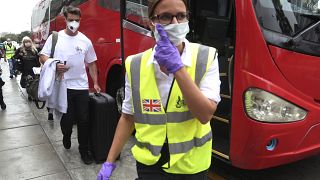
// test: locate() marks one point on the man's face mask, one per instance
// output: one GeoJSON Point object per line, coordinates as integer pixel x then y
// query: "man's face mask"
{"type": "Point", "coordinates": [73, 26]}
{"type": "Point", "coordinates": [176, 32]}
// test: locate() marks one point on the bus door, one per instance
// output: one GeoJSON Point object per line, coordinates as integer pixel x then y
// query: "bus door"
{"type": "Point", "coordinates": [136, 34]}
{"type": "Point", "coordinates": [212, 24]}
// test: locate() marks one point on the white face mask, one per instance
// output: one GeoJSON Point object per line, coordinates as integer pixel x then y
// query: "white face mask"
{"type": "Point", "coordinates": [73, 26]}
{"type": "Point", "coordinates": [176, 32]}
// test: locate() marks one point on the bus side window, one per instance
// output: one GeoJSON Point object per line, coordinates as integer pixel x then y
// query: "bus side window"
{"type": "Point", "coordinates": [74, 2]}
{"type": "Point", "coordinates": [110, 4]}
{"type": "Point", "coordinates": [137, 12]}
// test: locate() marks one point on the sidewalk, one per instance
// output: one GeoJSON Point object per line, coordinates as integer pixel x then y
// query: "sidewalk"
{"type": "Point", "coordinates": [31, 146]}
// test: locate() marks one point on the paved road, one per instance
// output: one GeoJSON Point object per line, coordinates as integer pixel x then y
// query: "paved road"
{"type": "Point", "coordinates": [31, 146]}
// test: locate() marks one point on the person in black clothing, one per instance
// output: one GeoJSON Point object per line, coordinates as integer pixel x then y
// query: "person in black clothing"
{"type": "Point", "coordinates": [2, 104]}
{"type": "Point", "coordinates": [28, 56]}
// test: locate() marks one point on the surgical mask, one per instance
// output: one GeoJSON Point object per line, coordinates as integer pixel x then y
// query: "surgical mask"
{"type": "Point", "coordinates": [27, 44]}
{"type": "Point", "coordinates": [176, 32]}
{"type": "Point", "coordinates": [73, 26]}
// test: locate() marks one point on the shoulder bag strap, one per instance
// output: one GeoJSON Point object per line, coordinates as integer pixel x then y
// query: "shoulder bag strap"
{"type": "Point", "coordinates": [54, 42]}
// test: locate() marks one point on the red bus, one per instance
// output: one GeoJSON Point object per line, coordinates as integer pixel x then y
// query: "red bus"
{"type": "Point", "coordinates": [268, 59]}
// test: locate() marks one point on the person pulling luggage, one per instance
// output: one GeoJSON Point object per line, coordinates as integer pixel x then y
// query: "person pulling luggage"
{"type": "Point", "coordinates": [28, 57]}
{"type": "Point", "coordinates": [75, 49]}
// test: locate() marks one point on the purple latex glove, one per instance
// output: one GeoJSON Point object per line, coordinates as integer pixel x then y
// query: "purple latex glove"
{"type": "Point", "coordinates": [167, 55]}
{"type": "Point", "coordinates": [106, 171]}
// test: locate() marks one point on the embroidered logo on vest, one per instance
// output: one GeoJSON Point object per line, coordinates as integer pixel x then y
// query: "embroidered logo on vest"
{"type": "Point", "coordinates": [180, 102]}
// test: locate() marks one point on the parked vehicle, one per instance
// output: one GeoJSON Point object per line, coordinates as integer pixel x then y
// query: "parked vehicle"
{"type": "Point", "coordinates": [269, 67]}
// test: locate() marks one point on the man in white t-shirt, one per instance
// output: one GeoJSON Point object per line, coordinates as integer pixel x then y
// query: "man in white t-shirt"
{"type": "Point", "coordinates": [74, 50]}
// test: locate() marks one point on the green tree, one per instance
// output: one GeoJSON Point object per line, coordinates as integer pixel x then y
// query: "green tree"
{"type": "Point", "coordinates": [12, 36]}
{"type": "Point", "coordinates": [23, 34]}
{"type": "Point", "coordinates": [15, 37]}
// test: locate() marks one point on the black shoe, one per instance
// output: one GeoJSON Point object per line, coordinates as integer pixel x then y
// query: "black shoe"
{"type": "Point", "coordinates": [66, 142]}
{"type": "Point", "coordinates": [3, 106]}
{"type": "Point", "coordinates": [50, 117]}
{"type": "Point", "coordinates": [86, 157]}
{"type": "Point", "coordinates": [11, 76]}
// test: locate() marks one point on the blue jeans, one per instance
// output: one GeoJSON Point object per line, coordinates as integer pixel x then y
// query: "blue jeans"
{"type": "Point", "coordinates": [11, 66]}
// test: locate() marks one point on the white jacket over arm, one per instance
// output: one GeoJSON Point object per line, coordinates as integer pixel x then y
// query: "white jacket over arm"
{"type": "Point", "coordinates": [51, 89]}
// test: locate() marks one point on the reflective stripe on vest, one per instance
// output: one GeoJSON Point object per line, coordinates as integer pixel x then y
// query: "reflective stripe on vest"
{"type": "Point", "coordinates": [177, 148]}
{"type": "Point", "coordinates": [175, 117]}
{"type": "Point", "coordinates": [152, 127]}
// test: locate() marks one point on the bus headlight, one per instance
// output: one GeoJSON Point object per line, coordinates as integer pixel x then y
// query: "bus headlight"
{"type": "Point", "coordinates": [266, 107]}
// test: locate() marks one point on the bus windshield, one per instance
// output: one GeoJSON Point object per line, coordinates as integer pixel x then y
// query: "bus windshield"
{"type": "Point", "coordinates": [292, 20]}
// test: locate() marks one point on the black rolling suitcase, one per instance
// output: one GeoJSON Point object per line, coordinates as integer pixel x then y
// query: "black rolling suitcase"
{"type": "Point", "coordinates": [103, 117]}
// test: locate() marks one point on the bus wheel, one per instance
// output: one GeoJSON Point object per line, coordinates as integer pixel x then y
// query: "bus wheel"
{"type": "Point", "coordinates": [120, 98]}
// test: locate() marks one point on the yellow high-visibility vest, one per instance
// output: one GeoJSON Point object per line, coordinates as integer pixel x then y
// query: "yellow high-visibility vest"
{"type": "Point", "coordinates": [190, 142]}
{"type": "Point", "coordinates": [9, 51]}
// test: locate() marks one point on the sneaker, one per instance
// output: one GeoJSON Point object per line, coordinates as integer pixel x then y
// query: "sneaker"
{"type": "Point", "coordinates": [66, 142]}
{"type": "Point", "coordinates": [3, 106]}
{"type": "Point", "coordinates": [86, 157]}
{"type": "Point", "coordinates": [50, 117]}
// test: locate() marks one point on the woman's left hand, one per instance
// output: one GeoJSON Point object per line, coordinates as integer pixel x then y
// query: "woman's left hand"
{"type": "Point", "coordinates": [167, 55]}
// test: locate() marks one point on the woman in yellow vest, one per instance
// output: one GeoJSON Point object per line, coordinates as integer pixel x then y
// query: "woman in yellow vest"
{"type": "Point", "coordinates": [171, 93]}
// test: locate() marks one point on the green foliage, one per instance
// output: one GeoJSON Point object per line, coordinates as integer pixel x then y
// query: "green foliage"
{"type": "Point", "coordinates": [23, 34]}
{"type": "Point", "coordinates": [15, 37]}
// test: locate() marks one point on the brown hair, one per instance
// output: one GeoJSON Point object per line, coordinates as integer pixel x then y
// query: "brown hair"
{"type": "Point", "coordinates": [71, 10]}
{"type": "Point", "coordinates": [152, 4]}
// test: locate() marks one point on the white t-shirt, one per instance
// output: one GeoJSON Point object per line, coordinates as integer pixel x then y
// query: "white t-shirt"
{"type": "Point", "coordinates": [76, 51]}
{"type": "Point", "coordinates": [209, 85]}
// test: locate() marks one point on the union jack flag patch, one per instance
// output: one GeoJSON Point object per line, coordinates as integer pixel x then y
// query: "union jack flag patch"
{"type": "Point", "coordinates": [151, 105]}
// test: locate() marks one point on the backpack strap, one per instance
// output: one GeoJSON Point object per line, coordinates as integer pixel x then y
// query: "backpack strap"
{"type": "Point", "coordinates": [54, 42]}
